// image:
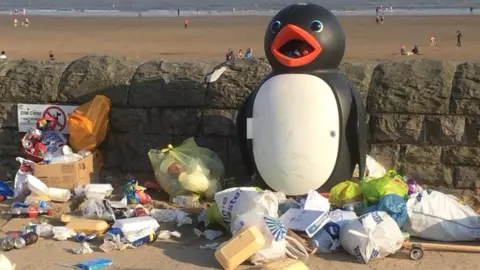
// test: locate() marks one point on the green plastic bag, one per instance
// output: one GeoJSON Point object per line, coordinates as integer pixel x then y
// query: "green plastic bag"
{"type": "Point", "coordinates": [345, 192]}
{"type": "Point", "coordinates": [375, 188]}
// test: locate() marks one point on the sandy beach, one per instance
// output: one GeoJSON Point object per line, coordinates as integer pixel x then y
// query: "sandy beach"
{"type": "Point", "coordinates": [208, 38]}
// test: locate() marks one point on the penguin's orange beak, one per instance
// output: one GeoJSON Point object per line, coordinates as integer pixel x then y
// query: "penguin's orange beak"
{"type": "Point", "coordinates": [295, 47]}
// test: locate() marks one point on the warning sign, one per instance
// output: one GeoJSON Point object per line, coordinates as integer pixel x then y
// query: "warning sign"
{"type": "Point", "coordinates": [28, 114]}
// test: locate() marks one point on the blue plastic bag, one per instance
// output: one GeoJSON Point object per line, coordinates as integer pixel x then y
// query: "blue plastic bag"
{"type": "Point", "coordinates": [5, 190]}
{"type": "Point", "coordinates": [395, 206]}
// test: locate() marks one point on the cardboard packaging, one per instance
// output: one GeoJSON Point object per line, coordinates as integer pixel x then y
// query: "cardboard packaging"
{"type": "Point", "coordinates": [307, 221]}
{"type": "Point", "coordinates": [68, 175]}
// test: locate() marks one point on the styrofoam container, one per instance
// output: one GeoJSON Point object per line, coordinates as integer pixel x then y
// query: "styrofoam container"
{"type": "Point", "coordinates": [98, 191]}
{"type": "Point", "coordinates": [59, 194]}
{"type": "Point", "coordinates": [36, 185]}
{"type": "Point", "coordinates": [136, 224]}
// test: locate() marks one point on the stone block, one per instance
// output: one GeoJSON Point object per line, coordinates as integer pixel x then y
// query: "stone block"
{"type": "Point", "coordinates": [219, 122]}
{"type": "Point", "coordinates": [174, 121]}
{"type": "Point", "coordinates": [416, 86]}
{"type": "Point", "coordinates": [8, 115]}
{"type": "Point", "coordinates": [467, 177]}
{"type": "Point", "coordinates": [460, 155]}
{"type": "Point", "coordinates": [389, 128]}
{"type": "Point", "coordinates": [236, 83]}
{"type": "Point", "coordinates": [129, 120]}
{"type": "Point", "coordinates": [360, 75]}
{"type": "Point", "coordinates": [29, 81]}
{"type": "Point", "coordinates": [429, 174]}
{"type": "Point", "coordinates": [444, 130]}
{"type": "Point", "coordinates": [132, 150]}
{"type": "Point", "coordinates": [472, 131]}
{"type": "Point", "coordinates": [94, 75]}
{"type": "Point", "coordinates": [164, 83]}
{"type": "Point", "coordinates": [422, 154]}
{"type": "Point", "coordinates": [386, 154]}
{"type": "Point", "coordinates": [466, 90]}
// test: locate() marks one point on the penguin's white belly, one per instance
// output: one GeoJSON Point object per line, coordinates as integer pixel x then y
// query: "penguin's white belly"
{"type": "Point", "coordinates": [295, 131]}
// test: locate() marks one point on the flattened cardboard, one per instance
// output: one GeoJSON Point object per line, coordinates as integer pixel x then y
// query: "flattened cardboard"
{"type": "Point", "coordinates": [68, 175]}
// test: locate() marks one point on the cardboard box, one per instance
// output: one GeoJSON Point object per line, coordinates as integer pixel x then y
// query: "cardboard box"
{"type": "Point", "coordinates": [307, 221]}
{"type": "Point", "coordinates": [68, 175]}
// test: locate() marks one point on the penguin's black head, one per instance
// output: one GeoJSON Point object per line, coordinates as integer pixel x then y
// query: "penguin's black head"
{"type": "Point", "coordinates": [304, 37]}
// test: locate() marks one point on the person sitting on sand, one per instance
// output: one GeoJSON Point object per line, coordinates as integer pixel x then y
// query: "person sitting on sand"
{"type": "Point", "coordinates": [402, 50]}
{"type": "Point", "coordinates": [382, 18]}
{"type": "Point", "coordinates": [229, 56]}
{"type": "Point", "coordinates": [51, 56]}
{"type": "Point", "coordinates": [3, 56]}
{"type": "Point", "coordinates": [377, 19]}
{"type": "Point", "coordinates": [240, 54]}
{"type": "Point", "coordinates": [433, 42]}
{"type": "Point", "coordinates": [27, 22]}
{"type": "Point", "coordinates": [415, 50]}
{"type": "Point", "coordinates": [186, 23]}
{"type": "Point", "coordinates": [15, 22]}
{"type": "Point", "coordinates": [248, 53]}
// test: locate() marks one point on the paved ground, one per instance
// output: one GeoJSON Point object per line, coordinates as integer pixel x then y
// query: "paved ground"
{"type": "Point", "coordinates": [186, 254]}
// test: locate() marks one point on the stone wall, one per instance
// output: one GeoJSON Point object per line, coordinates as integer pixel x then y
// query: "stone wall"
{"type": "Point", "coordinates": [424, 115]}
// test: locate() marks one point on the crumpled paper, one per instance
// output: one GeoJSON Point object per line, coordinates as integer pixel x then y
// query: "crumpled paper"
{"type": "Point", "coordinates": [208, 234]}
{"type": "Point", "coordinates": [62, 233]}
{"type": "Point", "coordinates": [116, 244]}
{"type": "Point", "coordinates": [83, 249]}
{"type": "Point", "coordinates": [170, 215]}
{"type": "Point", "coordinates": [166, 235]}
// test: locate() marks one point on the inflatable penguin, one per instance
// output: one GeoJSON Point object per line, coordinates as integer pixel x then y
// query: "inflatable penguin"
{"type": "Point", "coordinates": [304, 127]}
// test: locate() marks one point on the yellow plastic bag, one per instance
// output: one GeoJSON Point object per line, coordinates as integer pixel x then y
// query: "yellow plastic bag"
{"type": "Point", "coordinates": [88, 124]}
{"type": "Point", "coordinates": [187, 168]}
{"type": "Point", "coordinates": [375, 188]}
{"type": "Point", "coordinates": [345, 192]}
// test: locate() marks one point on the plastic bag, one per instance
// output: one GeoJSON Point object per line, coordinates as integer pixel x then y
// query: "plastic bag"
{"type": "Point", "coordinates": [328, 238]}
{"type": "Point", "coordinates": [345, 192]}
{"type": "Point", "coordinates": [371, 236]}
{"type": "Point", "coordinates": [20, 182]}
{"type": "Point", "coordinates": [88, 124]}
{"type": "Point", "coordinates": [374, 169]}
{"type": "Point", "coordinates": [436, 216]}
{"type": "Point", "coordinates": [187, 168]}
{"type": "Point", "coordinates": [136, 194]}
{"type": "Point", "coordinates": [375, 188]}
{"type": "Point", "coordinates": [395, 206]}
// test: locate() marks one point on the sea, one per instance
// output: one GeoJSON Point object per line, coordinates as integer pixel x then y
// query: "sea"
{"type": "Point", "coordinates": [171, 8]}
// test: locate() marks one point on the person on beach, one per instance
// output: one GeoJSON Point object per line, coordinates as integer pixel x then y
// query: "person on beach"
{"type": "Point", "coordinates": [433, 42]}
{"type": "Point", "coordinates": [459, 38]}
{"type": "Point", "coordinates": [178, 12]}
{"type": "Point", "coordinates": [185, 23]}
{"type": "Point", "coordinates": [402, 50]}
{"type": "Point", "coordinates": [229, 56]}
{"type": "Point", "coordinates": [377, 19]}
{"type": "Point", "coordinates": [376, 10]}
{"type": "Point", "coordinates": [415, 50]}
{"type": "Point", "coordinates": [15, 22]}
{"type": "Point", "coordinates": [240, 54]}
{"type": "Point", "coordinates": [3, 56]}
{"type": "Point", "coordinates": [51, 56]}
{"type": "Point", "coordinates": [27, 22]}
{"type": "Point", "coordinates": [471, 10]}
{"type": "Point", "coordinates": [248, 53]}
{"type": "Point", "coordinates": [382, 19]}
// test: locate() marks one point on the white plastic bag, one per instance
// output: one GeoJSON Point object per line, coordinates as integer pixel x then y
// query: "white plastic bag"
{"type": "Point", "coordinates": [20, 182]}
{"type": "Point", "coordinates": [372, 236]}
{"type": "Point", "coordinates": [374, 169]}
{"type": "Point", "coordinates": [5, 263]}
{"type": "Point", "coordinates": [236, 201]}
{"type": "Point", "coordinates": [245, 207]}
{"type": "Point", "coordinates": [328, 238]}
{"type": "Point", "coordinates": [437, 216]}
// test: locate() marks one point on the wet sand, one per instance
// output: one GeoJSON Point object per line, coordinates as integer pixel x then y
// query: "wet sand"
{"type": "Point", "coordinates": [208, 38]}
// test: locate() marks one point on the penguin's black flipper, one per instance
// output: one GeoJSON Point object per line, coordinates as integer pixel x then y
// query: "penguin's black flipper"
{"type": "Point", "coordinates": [245, 149]}
{"type": "Point", "coordinates": [361, 131]}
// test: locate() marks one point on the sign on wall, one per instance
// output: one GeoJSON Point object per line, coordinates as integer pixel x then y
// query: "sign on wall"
{"type": "Point", "coordinates": [28, 114]}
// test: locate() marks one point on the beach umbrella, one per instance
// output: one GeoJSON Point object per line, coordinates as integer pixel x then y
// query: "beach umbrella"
{"type": "Point", "coordinates": [276, 227]}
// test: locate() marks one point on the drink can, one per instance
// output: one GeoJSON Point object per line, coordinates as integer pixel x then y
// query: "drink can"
{"type": "Point", "coordinates": [26, 240]}
{"type": "Point", "coordinates": [145, 240]}
{"type": "Point", "coordinates": [8, 243]}
{"type": "Point", "coordinates": [81, 237]}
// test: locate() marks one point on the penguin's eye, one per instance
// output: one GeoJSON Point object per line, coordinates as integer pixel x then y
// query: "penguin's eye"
{"type": "Point", "coordinates": [275, 27]}
{"type": "Point", "coordinates": [316, 26]}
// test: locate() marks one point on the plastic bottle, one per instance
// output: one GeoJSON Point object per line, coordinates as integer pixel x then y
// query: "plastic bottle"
{"type": "Point", "coordinates": [48, 156]}
{"type": "Point", "coordinates": [30, 212]}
